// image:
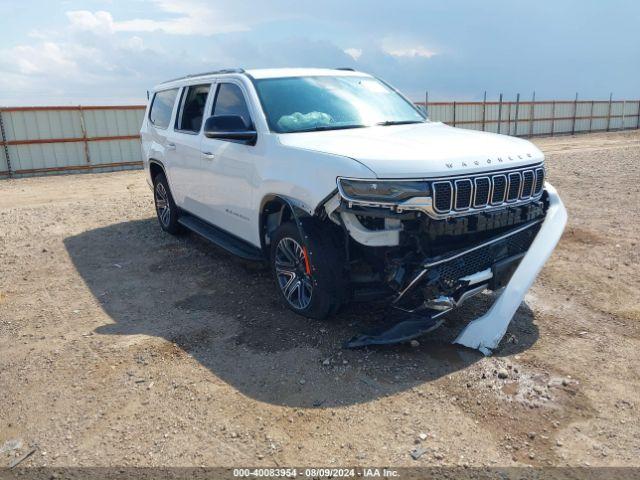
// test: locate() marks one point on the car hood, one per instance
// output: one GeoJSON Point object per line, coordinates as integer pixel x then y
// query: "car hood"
{"type": "Point", "coordinates": [419, 150]}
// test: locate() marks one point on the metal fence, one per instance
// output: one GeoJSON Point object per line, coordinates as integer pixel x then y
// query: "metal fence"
{"type": "Point", "coordinates": [49, 140]}
{"type": "Point", "coordinates": [531, 118]}
{"type": "Point", "coordinates": [53, 140]}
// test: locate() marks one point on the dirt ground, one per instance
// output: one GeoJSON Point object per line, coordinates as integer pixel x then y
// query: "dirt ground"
{"type": "Point", "coordinates": [122, 345]}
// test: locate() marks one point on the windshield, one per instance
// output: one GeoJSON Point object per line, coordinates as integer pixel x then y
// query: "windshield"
{"type": "Point", "coordinates": [303, 104]}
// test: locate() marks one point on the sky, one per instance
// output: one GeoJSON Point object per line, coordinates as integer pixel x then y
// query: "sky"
{"type": "Point", "coordinates": [112, 51]}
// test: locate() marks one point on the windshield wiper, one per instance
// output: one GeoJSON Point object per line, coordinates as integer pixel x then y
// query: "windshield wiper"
{"type": "Point", "coordinates": [320, 128]}
{"type": "Point", "coordinates": [398, 122]}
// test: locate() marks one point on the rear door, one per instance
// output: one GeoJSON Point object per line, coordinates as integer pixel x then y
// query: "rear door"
{"type": "Point", "coordinates": [156, 140]}
{"type": "Point", "coordinates": [229, 167]}
{"type": "Point", "coordinates": [185, 140]}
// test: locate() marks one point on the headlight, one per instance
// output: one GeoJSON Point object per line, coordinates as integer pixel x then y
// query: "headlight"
{"type": "Point", "coordinates": [383, 191]}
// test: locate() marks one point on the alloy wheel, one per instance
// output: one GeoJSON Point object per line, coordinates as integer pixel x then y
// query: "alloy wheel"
{"type": "Point", "coordinates": [293, 274]}
{"type": "Point", "coordinates": [162, 204]}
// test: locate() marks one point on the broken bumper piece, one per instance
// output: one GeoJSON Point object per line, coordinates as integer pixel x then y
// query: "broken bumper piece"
{"type": "Point", "coordinates": [412, 327]}
{"type": "Point", "coordinates": [486, 332]}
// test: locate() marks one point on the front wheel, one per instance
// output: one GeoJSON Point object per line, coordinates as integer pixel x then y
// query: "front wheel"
{"type": "Point", "coordinates": [308, 271]}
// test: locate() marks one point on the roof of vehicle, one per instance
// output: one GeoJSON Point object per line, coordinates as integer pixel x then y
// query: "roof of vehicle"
{"type": "Point", "coordinates": [261, 73]}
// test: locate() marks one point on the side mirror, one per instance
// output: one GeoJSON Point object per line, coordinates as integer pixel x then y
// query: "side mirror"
{"type": "Point", "coordinates": [229, 127]}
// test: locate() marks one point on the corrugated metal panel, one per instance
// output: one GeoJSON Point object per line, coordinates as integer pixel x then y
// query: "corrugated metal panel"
{"type": "Point", "coordinates": [523, 116]}
{"type": "Point", "coordinates": [615, 110]}
{"type": "Point", "coordinates": [47, 155]}
{"type": "Point", "coordinates": [491, 117]}
{"type": "Point", "coordinates": [52, 140]}
{"type": "Point", "coordinates": [116, 150]}
{"type": "Point", "coordinates": [103, 123]}
{"type": "Point", "coordinates": [441, 112]}
{"type": "Point", "coordinates": [38, 124]}
{"type": "Point", "coordinates": [516, 117]}
{"type": "Point", "coordinates": [631, 110]}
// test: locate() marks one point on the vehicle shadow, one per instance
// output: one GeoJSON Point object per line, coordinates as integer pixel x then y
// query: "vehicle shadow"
{"type": "Point", "coordinates": [225, 313]}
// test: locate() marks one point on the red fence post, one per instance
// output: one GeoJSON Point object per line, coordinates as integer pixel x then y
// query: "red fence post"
{"type": "Point", "coordinates": [575, 110]}
{"type": "Point", "coordinates": [515, 128]}
{"type": "Point", "coordinates": [499, 113]}
{"type": "Point", "coordinates": [3, 137]}
{"type": "Point", "coordinates": [426, 103]}
{"type": "Point", "coordinates": [609, 112]}
{"type": "Point", "coordinates": [532, 114]}
{"type": "Point", "coordinates": [484, 108]}
{"type": "Point", "coordinates": [84, 135]}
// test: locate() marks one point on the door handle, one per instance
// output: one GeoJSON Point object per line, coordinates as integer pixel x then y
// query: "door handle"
{"type": "Point", "coordinates": [171, 146]}
{"type": "Point", "coordinates": [208, 155]}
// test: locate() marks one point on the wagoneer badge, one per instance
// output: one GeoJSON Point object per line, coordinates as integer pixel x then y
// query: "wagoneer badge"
{"type": "Point", "coordinates": [488, 161]}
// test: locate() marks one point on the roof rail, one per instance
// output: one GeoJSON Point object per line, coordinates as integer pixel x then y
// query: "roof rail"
{"type": "Point", "coordinates": [214, 72]}
{"type": "Point", "coordinates": [348, 69]}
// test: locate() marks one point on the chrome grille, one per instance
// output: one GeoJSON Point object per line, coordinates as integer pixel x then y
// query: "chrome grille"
{"type": "Point", "coordinates": [470, 194]}
{"type": "Point", "coordinates": [482, 189]}
{"type": "Point", "coordinates": [527, 183]}
{"type": "Point", "coordinates": [464, 188]}
{"type": "Point", "coordinates": [499, 189]}
{"type": "Point", "coordinates": [515, 182]}
{"type": "Point", "coordinates": [443, 196]}
{"type": "Point", "coordinates": [539, 181]}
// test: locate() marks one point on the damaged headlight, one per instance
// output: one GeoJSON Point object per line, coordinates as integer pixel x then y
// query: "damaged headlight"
{"type": "Point", "coordinates": [383, 190]}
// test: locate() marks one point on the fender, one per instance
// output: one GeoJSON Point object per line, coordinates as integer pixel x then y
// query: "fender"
{"type": "Point", "coordinates": [158, 163]}
{"type": "Point", "coordinates": [297, 208]}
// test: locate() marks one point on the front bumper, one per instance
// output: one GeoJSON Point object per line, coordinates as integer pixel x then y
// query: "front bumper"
{"type": "Point", "coordinates": [452, 273]}
{"type": "Point", "coordinates": [486, 332]}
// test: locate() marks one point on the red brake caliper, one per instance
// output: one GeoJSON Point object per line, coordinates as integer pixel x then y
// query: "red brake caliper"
{"type": "Point", "coordinates": [307, 265]}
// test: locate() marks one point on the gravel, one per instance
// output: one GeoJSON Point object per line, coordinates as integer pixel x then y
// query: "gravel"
{"type": "Point", "coordinates": [91, 289]}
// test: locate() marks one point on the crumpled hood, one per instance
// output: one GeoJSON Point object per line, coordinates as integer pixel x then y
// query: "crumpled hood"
{"type": "Point", "coordinates": [419, 150]}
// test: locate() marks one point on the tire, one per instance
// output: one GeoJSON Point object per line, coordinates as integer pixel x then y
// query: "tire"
{"type": "Point", "coordinates": [310, 279]}
{"type": "Point", "coordinates": [166, 208]}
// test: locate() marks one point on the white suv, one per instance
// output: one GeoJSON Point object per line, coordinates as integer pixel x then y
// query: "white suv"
{"type": "Point", "coordinates": [351, 193]}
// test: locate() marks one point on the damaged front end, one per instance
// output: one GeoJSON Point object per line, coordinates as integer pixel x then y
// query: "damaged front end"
{"type": "Point", "coordinates": [428, 246]}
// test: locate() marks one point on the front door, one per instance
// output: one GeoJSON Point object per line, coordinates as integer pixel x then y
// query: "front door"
{"type": "Point", "coordinates": [229, 169]}
{"type": "Point", "coordinates": [185, 139]}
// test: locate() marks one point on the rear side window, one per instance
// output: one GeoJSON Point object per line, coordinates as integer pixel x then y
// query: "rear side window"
{"type": "Point", "coordinates": [230, 101]}
{"type": "Point", "coordinates": [161, 108]}
{"type": "Point", "coordinates": [194, 99]}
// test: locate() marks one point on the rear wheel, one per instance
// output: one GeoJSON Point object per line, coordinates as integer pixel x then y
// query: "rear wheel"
{"type": "Point", "coordinates": [166, 208]}
{"type": "Point", "coordinates": [308, 271]}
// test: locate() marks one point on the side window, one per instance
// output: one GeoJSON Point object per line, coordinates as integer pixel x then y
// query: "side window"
{"type": "Point", "coordinates": [230, 101]}
{"type": "Point", "coordinates": [162, 106]}
{"type": "Point", "coordinates": [194, 99]}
